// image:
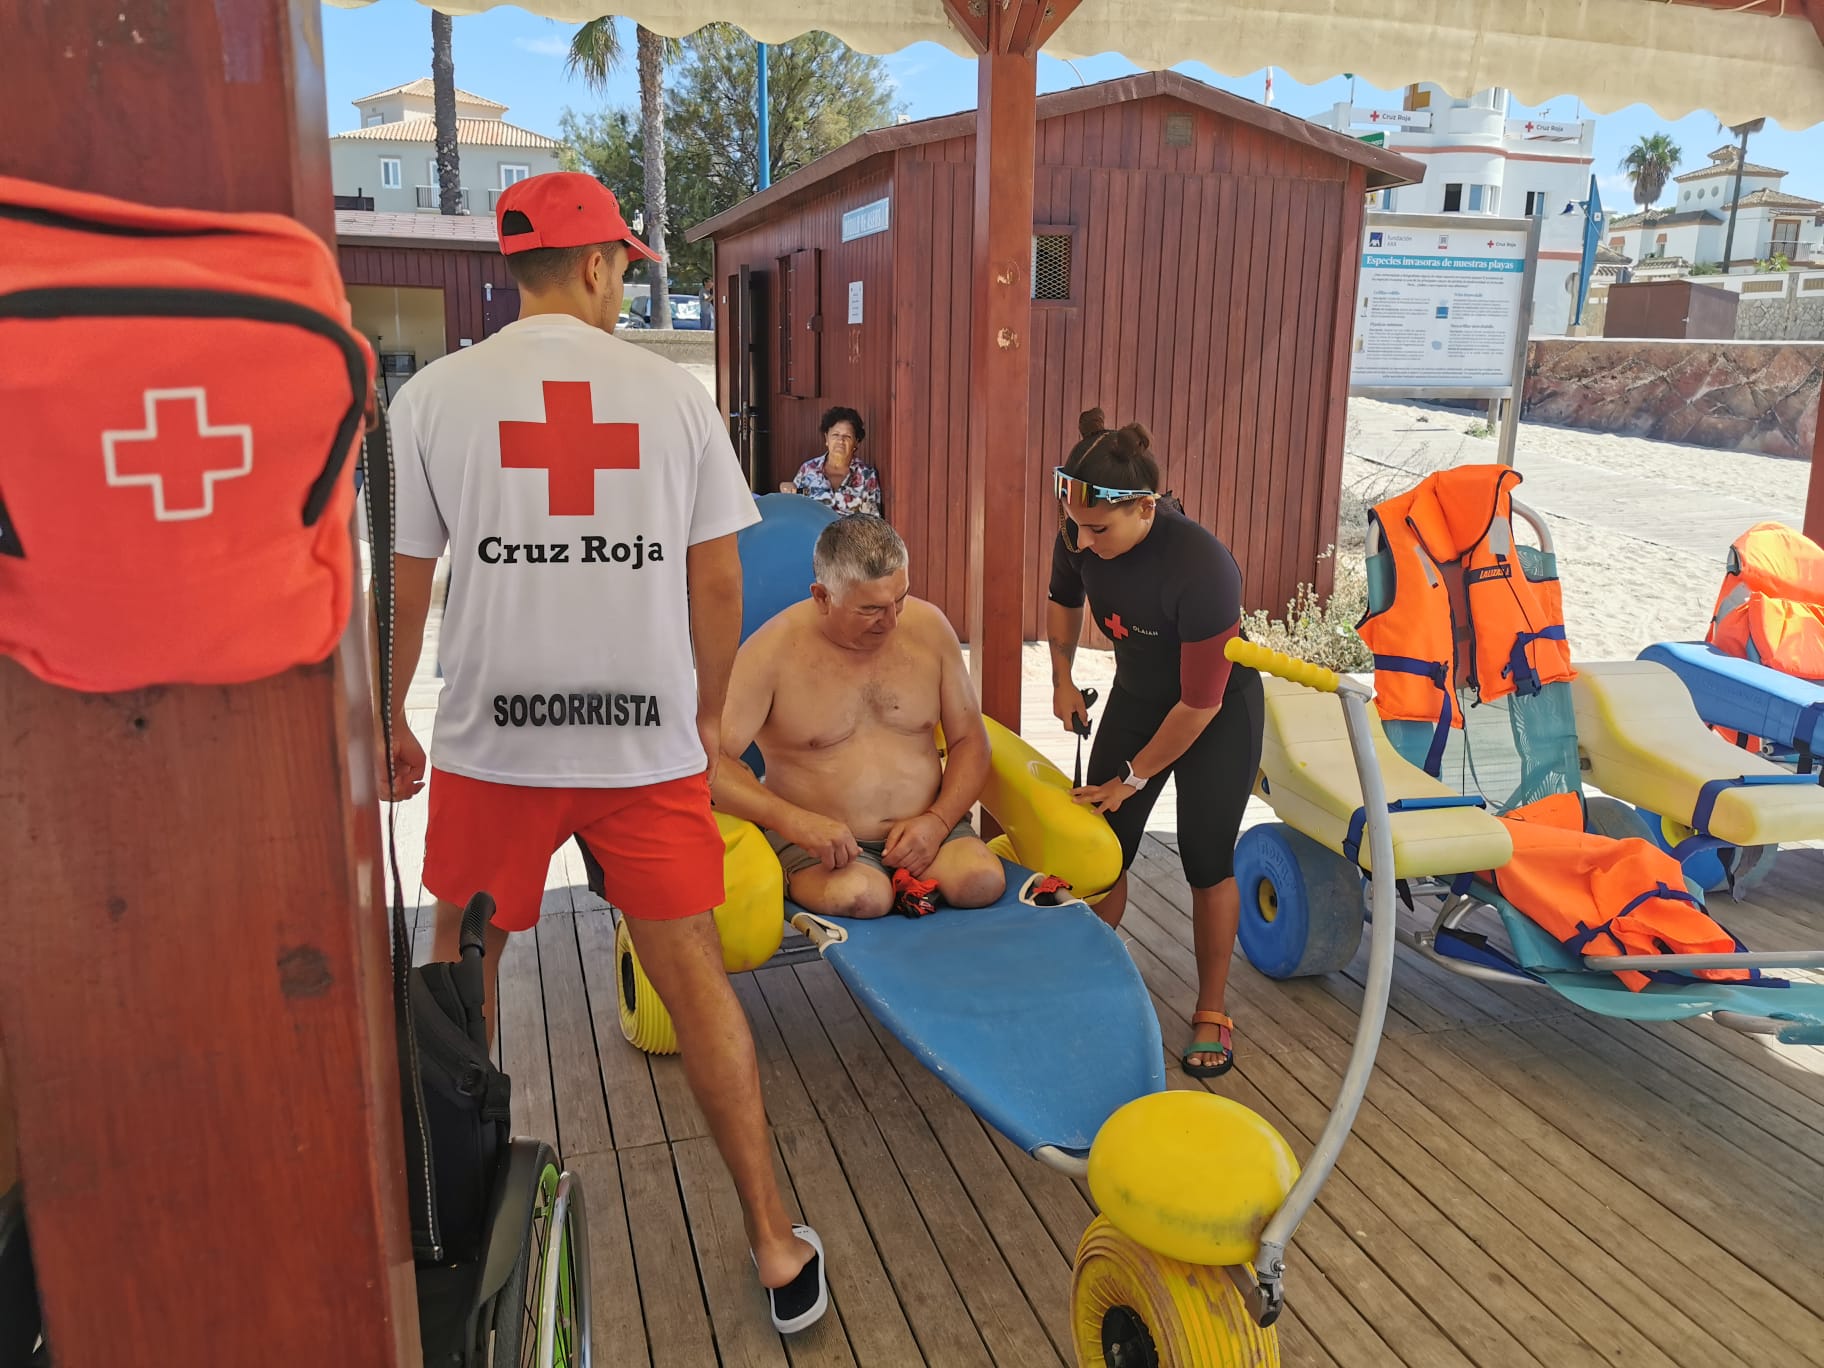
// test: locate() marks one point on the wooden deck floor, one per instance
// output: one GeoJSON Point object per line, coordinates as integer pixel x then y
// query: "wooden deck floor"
{"type": "Point", "coordinates": [1527, 1185]}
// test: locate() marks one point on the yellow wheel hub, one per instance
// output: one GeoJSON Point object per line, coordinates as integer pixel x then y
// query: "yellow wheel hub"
{"type": "Point", "coordinates": [1192, 1175]}
{"type": "Point", "coordinates": [1134, 1308]}
{"type": "Point", "coordinates": [1268, 900]}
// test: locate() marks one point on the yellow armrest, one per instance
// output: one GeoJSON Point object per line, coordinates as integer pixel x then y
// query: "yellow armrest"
{"type": "Point", "coordinates": [1313, 786]}
{"type": "Point", "coordinates": [1047, 830]}
{"type": "Point", "coordinates": [1642, 741]}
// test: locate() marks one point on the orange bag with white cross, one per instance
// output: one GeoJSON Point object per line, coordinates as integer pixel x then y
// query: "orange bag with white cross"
{"type": "Point", "coordinates": [181, 394]}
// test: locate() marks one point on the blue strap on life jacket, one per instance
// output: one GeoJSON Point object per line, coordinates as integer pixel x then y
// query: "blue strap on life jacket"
{"type": "Point", "coordinates": [1585, 934]}
{"type": "Point", "coordinates": [1519, 669]}
{"type": "Point", "coordinates": [1714, 789]}
{"type": "Point", "coordinates": [1358, 821]}
{"type": "Point", "coordinates": [1439, 674]}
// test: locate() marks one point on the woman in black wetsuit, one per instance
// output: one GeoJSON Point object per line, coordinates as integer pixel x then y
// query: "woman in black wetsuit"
{"type": "Point", "coordinates": [1168, 594]}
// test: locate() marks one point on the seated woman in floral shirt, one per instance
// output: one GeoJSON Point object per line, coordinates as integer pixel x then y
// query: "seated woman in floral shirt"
{"type": "Point", "coordinates": [838, 478]}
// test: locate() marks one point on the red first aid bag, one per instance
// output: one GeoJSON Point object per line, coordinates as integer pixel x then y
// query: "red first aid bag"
{"type": "Point", "coordinates": [180, 394]}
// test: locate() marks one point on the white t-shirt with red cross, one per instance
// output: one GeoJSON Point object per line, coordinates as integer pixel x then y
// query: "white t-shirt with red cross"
{"type": "Point", "coordinates": [568, 472]}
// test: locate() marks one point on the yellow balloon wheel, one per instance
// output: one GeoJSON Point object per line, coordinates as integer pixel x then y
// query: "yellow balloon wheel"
{"type": "Point", "coordinates": [1132, 1308]}
{"type": "Point", "coordinates": [644, 1020]}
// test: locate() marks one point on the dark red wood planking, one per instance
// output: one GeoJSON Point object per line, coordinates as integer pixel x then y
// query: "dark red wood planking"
{"type": "Point", "coordinates": [195, 994]}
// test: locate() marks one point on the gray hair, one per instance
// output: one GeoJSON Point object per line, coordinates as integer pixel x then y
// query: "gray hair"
{"type": "Point", "coordinates": [857, 549]}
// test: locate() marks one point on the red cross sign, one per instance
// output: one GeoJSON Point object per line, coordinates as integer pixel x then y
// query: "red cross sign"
{"type": "Point", "coordinates": [179, 454]}
{"type": "Point", "coordinates": [569, 446]}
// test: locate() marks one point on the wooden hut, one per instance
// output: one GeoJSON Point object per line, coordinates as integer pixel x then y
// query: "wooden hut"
{"type": "Point", "coordinates": [1189, 252]}
{"type": "Point", "coordinates": [422, 285]}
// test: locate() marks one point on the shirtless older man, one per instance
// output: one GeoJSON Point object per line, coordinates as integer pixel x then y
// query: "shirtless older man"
{"type": "Point", "coordinates": [843, 692]}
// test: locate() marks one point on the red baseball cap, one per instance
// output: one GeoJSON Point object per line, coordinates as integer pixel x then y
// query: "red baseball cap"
{"type": "Point", "coordinates": [565, 209]}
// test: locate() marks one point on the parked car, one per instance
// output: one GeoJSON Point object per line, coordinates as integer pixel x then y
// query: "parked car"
{"type": "Point", "coordinates": [687, 311]}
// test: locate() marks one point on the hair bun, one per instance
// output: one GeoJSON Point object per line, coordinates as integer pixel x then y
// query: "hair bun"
{"type": "Point", "coordinates": [1091, 422]}
{"type": "Point", "coordinates": [1141, 437]}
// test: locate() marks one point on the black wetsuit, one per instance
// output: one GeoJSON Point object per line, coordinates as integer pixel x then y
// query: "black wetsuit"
{"type": "Point", "coordinates": [1169, 605]}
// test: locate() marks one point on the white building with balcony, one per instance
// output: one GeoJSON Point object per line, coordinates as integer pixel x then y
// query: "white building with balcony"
{"type": "Point", "coordinates": [1695, 231]}
{"type": "Point", "coordinates": [391, 159]}
{"type": "Point", "coordinates": [1478, 160]}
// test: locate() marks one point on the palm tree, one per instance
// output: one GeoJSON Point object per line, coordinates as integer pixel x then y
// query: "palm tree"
{"type": "Point", "coordinates": [1741, 131]}
{"type": "Point", "coordinates": [443, 87]}
{"type": "Point", "coordinates": [1650, 164]}
{"type": "Point", "coordinates": [594, 52]}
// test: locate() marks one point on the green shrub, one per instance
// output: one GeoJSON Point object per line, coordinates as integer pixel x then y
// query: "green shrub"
{"type": "Point", "coordinates": [1320, 630]}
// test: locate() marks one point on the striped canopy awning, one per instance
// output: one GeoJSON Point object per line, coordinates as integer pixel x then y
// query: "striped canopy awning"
{"type": "Point", "coordinates": [1761, 59]}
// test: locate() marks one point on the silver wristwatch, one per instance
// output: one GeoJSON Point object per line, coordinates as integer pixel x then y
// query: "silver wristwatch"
{"type": "Point", "coordinates": [1132, 780]}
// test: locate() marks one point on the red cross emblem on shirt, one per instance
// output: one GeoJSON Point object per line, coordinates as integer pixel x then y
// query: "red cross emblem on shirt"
{"type": "Point", "coordinates": [569, 446]}
{"type": "Point", "coordinates": [1115, 629]}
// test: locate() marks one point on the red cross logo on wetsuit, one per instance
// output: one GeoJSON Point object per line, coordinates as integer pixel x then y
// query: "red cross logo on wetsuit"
{"type": "Point", "coordinates": [569, 446]}
{"type": "Point", "coordinates": [1115, 629]}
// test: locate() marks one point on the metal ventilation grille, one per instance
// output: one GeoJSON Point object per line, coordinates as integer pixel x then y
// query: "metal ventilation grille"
{"type": "Point", "coordinates": [1177, 130]}
{"type": "Point", "coordinates": [1051, 266]}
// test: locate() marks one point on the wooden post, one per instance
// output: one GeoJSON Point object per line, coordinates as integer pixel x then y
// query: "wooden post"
{"type": "Point", "coordinates": [1001, 505]}
{"type": "Point", "coordinates": [195, 981]}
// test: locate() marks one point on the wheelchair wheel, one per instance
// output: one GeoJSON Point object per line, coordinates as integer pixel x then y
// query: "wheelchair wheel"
{"type": "Point", "coordinates": [1133, 1308]}
{"type": "Point", "coordinates": [1301, 903]}
{"type": "Point", "coordinates": [540, 1318]}
{"type": "Point", "coordinates": [563, 1317]}
{"type": "Point", "coordinates": [1613, 818]}
{"type": "Point", "coordinates": [1707, 870]}
{"type": "Point", "coordinates": [644, 1020]}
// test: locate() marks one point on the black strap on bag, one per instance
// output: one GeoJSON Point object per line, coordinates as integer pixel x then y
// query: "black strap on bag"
{"type": "Point", "coordinates": [379, 488]}
{"type": "Point", "coordinates": [457, 1105]}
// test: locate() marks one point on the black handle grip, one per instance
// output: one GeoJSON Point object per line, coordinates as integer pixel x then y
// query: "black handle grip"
{"type": "Point", "coordinates": [1078, 722]}
{"type": "Point", "coordinates": [475, 918]}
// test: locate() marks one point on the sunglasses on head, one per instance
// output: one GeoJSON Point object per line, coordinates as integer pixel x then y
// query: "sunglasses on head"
{"type": "Point", "coordinates": [1070, 489]}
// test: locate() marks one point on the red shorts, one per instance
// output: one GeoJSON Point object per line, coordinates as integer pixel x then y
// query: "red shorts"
{"type": "Point", "coordinates": [660, 851]}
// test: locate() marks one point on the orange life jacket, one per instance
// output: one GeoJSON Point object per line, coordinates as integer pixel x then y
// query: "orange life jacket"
{"type": "Point", "coordinates": [1600, 896]}
{"type": "Point", "coordinates": [1771, 606]}
{"type": "Point", "coordinates": [1450, 543]}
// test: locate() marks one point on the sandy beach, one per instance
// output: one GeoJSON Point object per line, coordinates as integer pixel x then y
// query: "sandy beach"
{"type": "Point", "coordinates": [1641, 528]}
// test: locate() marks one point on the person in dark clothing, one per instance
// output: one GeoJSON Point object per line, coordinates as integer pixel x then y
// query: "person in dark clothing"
{"type": "Point", "coordinates": [1167, 593]}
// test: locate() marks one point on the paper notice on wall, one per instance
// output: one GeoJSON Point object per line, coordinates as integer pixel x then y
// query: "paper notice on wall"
{"type": "Point", "coordinates": [1438, 308]}
{"type": "Point", "coordinates": [854, 301]}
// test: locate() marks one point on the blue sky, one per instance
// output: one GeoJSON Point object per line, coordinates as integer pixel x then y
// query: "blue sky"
{"type": "Point", "coordinates": [518, 59]}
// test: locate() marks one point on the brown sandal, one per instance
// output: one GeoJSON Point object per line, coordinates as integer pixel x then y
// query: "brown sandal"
{"type": "Point", "coordinates": [1224, 1046]}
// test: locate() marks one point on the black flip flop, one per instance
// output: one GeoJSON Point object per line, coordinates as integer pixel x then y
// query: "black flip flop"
{"type": "Point", "coordinates": [800, 1304]}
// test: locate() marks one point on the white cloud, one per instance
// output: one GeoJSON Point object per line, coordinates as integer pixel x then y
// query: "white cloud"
{"type": "Point", "coordinates": [544, 47]}
{"type": "Point", "coordinates": [1616, 189]}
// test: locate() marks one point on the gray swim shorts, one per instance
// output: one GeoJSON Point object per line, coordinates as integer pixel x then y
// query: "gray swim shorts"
{"type": "Point", "coordinates": [793, 858]}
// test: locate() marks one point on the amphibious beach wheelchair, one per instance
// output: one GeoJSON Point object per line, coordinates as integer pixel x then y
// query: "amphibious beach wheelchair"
{"type": "Point", "coordinates": [1758, 677]}
{"type": "Point", "coordinates": [1501, 734]}
{"type": "Point", "coordinates": [1168, 1274]}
